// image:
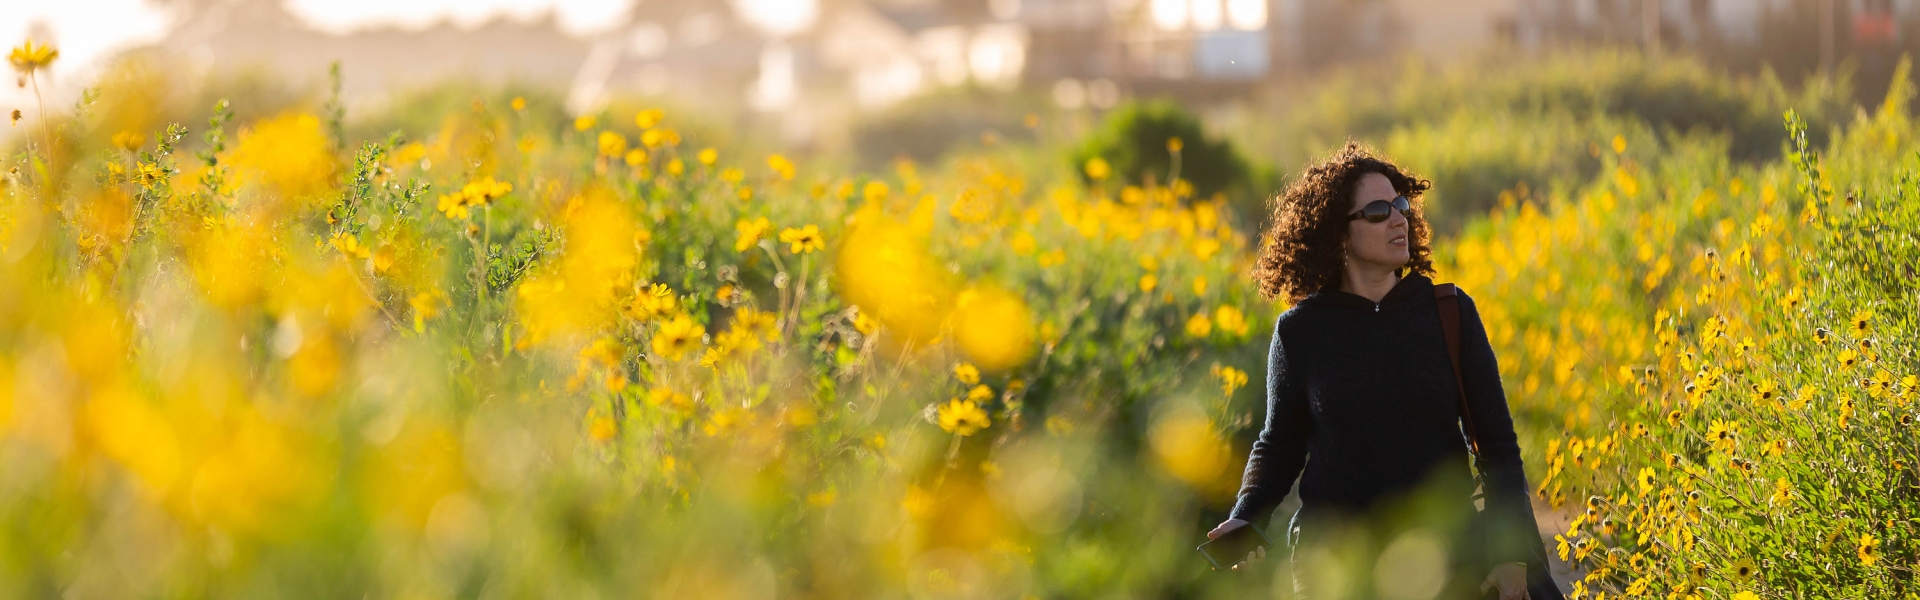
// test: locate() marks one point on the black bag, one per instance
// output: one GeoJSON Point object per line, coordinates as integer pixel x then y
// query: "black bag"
{"type": "Point", "coordinates": [1540, 584]}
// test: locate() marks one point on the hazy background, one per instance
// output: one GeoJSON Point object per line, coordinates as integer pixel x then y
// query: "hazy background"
{"type": "Point", "coordinates": [808, 72]}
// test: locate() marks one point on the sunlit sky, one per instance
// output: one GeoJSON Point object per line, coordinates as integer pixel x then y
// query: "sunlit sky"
{"type": "Point", "coordinates": [89, 31]}
{"type": "Point", "coordinates": [579, 17]}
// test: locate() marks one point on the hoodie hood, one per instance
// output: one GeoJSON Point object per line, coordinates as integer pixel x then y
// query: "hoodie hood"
{"type": "Point", "coordinates": [1411, 289]}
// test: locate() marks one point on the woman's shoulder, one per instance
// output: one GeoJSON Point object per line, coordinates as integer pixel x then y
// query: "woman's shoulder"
{"type": "Point", "coordinates": [1294, 318]}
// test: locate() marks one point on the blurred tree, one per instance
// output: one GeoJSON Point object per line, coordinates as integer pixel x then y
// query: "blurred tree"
{"type": "Point", "coordinates": [1135, 140]}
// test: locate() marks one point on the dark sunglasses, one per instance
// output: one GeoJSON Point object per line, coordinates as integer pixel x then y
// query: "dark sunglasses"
{"type": "Point", "coordinates": [1378, 210]}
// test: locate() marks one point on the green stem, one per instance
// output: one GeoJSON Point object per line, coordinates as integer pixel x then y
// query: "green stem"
{"type": "Point", "coordinates": [46, 131]}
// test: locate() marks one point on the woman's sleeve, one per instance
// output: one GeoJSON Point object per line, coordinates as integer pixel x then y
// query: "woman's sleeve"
{"type": "Point", "coordinates": [1507, 493]}
{"type": "Point", "coordinates": [1281, 450]}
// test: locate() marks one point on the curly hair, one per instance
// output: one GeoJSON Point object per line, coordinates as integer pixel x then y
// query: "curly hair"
{"type": "Point", "coordinates": [1303, 253]}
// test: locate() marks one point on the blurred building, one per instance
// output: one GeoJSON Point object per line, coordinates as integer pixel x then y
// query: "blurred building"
{"type": "Point", "coordinates": [819, 58]}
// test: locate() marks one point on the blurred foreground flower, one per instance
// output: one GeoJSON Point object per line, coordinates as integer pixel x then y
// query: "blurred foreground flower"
{"type": "Point", "coordinates": [994, 326]}
{"type": "Point", "coordinates": [289, 156]}
{"type": "Point", "coordinates": [1190, 448]}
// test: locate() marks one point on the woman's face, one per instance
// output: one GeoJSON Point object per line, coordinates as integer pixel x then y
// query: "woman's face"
{"type": "Point", "coordinates": [1384, 243]}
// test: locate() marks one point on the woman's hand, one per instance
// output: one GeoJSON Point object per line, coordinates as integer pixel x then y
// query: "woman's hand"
{"type": "Point", "coordinates": [1510, 578]}
{"type": "Point", "coordinates": [1229, 525]}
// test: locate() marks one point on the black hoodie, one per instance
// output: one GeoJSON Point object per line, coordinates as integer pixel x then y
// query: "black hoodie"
{"type": "Point", "coordinates": [1366, 389]}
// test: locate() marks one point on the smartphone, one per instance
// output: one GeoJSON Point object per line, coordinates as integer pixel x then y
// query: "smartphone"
{"type": "Point", "coordinates": [1224, 551]}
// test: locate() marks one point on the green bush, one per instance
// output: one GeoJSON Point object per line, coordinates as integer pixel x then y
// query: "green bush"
{"type": "Point", "coordinates": [1135, 140]}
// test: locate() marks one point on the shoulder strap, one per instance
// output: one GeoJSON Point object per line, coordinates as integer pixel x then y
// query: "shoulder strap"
{"type": "Point", "coordinates": [1446, 295]}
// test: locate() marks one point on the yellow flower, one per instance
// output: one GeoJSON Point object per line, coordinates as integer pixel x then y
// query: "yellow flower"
{"type": "Point", "coordinates": [602, 429]}
{"type": "Point", "coordinates": [481, 191]}
{"type": "Point", "coordinates": [1230, 320]}
{"type": "Point", "coordinates": [519, 103]}
{"type": "Point", "coordinates": [1052, 257]}
{"type": "Point", "coordinates": [1097, 168]}
{"type": "Point", "coordinates": [1862, 323]}
{"type": "Point", "coordinates": [1199, 326]}
{"type": "Point", "coordinates": [750, 232]}
{"type": "Point", "coordinates": [803, 240]}
{"type": "Point", "coordinates": [1879, 385]}
{"type": "Point", "coordinates": [1645, 480]}
{"type": "Point", "coordinates": [753, 322]}
{"type": "Point", "coordinates": [28, 58]}
{"type": "Point", "coordinates": [1148, 282]}
{"type": "Point", "coordinates": [1745, 595]}
{"type": "Point", "coordinates": [1774, 448]}
{"type": "Point", "coordinates": [676, 337]}
{"type": "Point", "coordinates": [128, 140]}
{"type": "Point", "coordinates": [1638, 587]}
{"type": "Point", "coordinates": [348, 245]}
{"type": "Point", "coordinates": [1782, 492]}
{"type": "Point", "coordinates": [675, 401]}
{"type": "Point", "coordinates": [1847, 358]}
{"type": "Point", "coordinates": [1230, 378]}
{"type": "Point", "coordinates": [454, 205]}
{"type": "Point", "coordinates": [648, 118]}
{"type": "Point", "coordinates": [1742, 569]}
{"type": "Point", "coordinates": [723, 421]}
{"type": "Point", "coordinates": [1801, 398]}
{"type": "Point", "coordinates": [657, 300]}
{"type": "Point", "coordinates": [1868, 549]}
{"type": "Point", "coordinates": [1764, 391]}
{"type": "Point", "coordinates": [636, 157]}
{"type": "Point", "coordinates": [1723, 435]}
{"type": "Point", "coordinates": [980, 393]}
{"type": "Point", "coordinates": [612, 144]}
{"type": "Point", "coordinates": [583, 123]}
{"type": "Point", "coordinates": [1204, 248]}
{"type": "Point", "coordinates": [781, 165]}
{"type": "Point", "coordinates": [715, 354]}
{"type": "Point", "coordinates": [1174, 145]}
{"type": "Point", "coordinates": [875, 191]}
{"type": "Point", "coordinates": [963, 417]}
{"type": "Point", "coordinates": [425, 306]}
{"type": "Point", "coordinates": [966, 373]}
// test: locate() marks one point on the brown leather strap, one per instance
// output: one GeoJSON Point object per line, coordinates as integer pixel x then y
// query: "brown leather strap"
{"type": "Point", "coordinates": [1445, 294]}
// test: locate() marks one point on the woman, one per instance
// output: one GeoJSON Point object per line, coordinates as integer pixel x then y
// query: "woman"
{"type": "Point", "coordinates": [1360, 382]}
